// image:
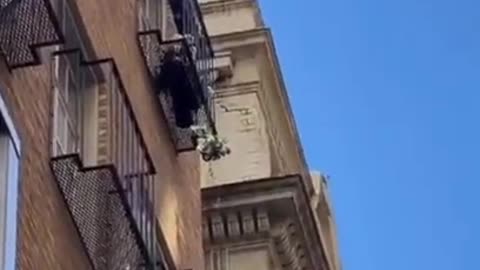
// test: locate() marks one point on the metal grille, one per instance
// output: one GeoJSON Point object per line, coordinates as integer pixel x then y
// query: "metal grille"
{"type": "Point", "coordinates": [193, 75]}
{"type": "Point", "coordinates": [26, 25]}
{"type": "Point", "coordinates": [189, 20]}
{"type": "Point", "coordinates": [100, 211]}
{"type": "Point", "coordinates": [181, 136]}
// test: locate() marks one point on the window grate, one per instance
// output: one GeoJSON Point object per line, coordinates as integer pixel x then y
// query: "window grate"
{"type": "Point", "coordinates": [26, 25]}
{"type": "Point", "coordinates": [101, 213]}
{"type": "Point", "coordinates": [108, 182]}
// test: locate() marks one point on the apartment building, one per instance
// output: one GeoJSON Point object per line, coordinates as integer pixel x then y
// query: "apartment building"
{"type": "Point", "coordinates": [98, 167]}
{"type": "Point", "coordinates": [111, 115]}
{"type": "Point", "coordinates": [262, 207]}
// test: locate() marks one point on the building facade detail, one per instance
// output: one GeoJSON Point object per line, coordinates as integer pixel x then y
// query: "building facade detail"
{"type": "Point", "coordinates": [121, 108]}
{"type": "Point", "coordinates": [273, 212]}
{"type": "Point", "coordinates": [262, 208]}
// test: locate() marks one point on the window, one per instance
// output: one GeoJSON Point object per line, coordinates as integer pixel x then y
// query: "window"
{"type": "Point", "coordinates": [150, 14]}
{"type": "Point", "coordinates": [9, 183]}
{"type": "Point", "coordinates": [67, 105]}
{"type": "Point", "coordinates": [75, 95]}
{"type": "Point", "coordinates": [150, 18]}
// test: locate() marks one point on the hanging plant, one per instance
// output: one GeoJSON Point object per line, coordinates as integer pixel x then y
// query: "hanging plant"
{"type": "Point", "coordinates": [208, 144]}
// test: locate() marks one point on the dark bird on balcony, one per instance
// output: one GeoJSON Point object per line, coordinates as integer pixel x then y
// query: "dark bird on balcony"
{"type": "Point", "coordinates": [174, 78]}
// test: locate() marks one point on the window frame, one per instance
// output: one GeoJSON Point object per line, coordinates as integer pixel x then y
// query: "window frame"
{"type": "Point", "coordinates": [71, 100]}
{"type": "Point", "coordinates": [8, 247]}
{"type": "Point", "coordinates": [66, 141]}
{"type": "Point", "coordinates": [150, 14]}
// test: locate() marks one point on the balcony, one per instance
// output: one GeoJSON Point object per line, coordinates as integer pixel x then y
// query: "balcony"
{"type": "Point", "coordinates": [101, 164]}
{"type": "Point", "coordinates": [26, 25]}
{"type": "Point", "coordinates": [181, 69]}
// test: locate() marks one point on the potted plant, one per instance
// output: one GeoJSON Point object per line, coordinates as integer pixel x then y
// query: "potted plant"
{"type": "Point", "coordinates": [208, 144]}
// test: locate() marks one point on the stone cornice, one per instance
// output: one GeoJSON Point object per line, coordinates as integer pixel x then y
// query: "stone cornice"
{"type": "Point", "coordinates": [213, 6]}
{"type": "Point", "coordinates": [262, 37]}
{"type": "Point", "coordinates": [237, 89]}
{"type": "Point", "coordinates": [289, 192]}
{"type": "Point", "coordinates": [227, 5]}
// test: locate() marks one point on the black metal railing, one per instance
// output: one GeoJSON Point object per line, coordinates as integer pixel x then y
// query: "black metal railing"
{"type": "Point", "coordinates": [26, 25]}
{"type": "Point", "coordinates": [108, 179]}
{"type": "Point", "coordinates": [182, 72]}
{"type": "Point", "coordinates": [189, 21]}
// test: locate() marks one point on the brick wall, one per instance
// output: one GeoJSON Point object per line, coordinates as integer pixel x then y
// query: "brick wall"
{"type": "Point", "coordinates": [48, 238]}
{"type": "Point", "coordinates": [112, 29]}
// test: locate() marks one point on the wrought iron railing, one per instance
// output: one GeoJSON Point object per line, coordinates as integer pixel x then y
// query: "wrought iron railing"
{"type": "Point", "coordinates": [26, 25]}
{"type": "Point", "coordinates": [189, 21]}
{"type": "Point", "coordinates": [108, 178]}
{"type": "Point", "coordinates": [182, 72]}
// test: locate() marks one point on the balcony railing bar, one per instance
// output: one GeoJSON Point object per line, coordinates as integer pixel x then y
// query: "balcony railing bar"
{"type": "Point", "coordinates": [192, 12]}
{"type": "Point", "coordinates": [132, 167]}
{"type": "Point", "coordinates": [190, 23]}
{"type": "Point", "coordinates": [201, 95]}
{"type": "Point", "coordinates": [129, 111]}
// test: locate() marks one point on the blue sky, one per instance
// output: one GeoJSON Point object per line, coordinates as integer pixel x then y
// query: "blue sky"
{"type": "Point", "coordinates": [387, 100]}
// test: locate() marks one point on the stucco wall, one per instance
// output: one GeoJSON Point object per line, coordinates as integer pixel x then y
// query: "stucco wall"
{"type": "Point", "coordinates": [240, 120]}
{"type": "Point", "coordinates": [46, 230]}
{"type": "Point", "coordinates": [268, 148]}
{"type": "Point", "coordinates": [229, 16]}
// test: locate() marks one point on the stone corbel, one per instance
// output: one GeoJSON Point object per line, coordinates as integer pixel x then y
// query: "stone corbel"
{"type": "Point", "coordinates": [223, 66]}
{"type": "Point", "coordinates": [218, 230]}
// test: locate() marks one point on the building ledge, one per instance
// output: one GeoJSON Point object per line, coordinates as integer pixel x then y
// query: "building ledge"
{"type": "Point", "coordinates": [249, 210]}
{"type": "Point", "coordinates": [218, 6]}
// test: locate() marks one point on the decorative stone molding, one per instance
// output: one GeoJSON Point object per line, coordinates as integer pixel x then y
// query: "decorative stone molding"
{"type": "Point", "coordinates": [238, 89]}
{"type": "Point", "coordinates": [272, 209]}
{"type": "Point", "coordinates": [289, 246]}
{"type": "Point", "coordinates": [223, 65]}
{"type": "Point", "coordinates": [232, 225]}
{"type": "Point", "coordinates": [248, 222]}
{"type": "Point", "coordinates": [218, 227]}
{"type": "Point", "coordinates": [219, 6]}
{"type": "Point", "coordinates": [263, 220]}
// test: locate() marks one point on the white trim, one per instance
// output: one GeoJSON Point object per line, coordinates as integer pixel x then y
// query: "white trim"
{"type": "Point", "coordinates": [12, 210]}
{"type": "Point", "coordinates": [9, 246]}
{"type": "Point", "coordinates": [11, 128]}
{"type": "Point", "coordinates": [147, 20]}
